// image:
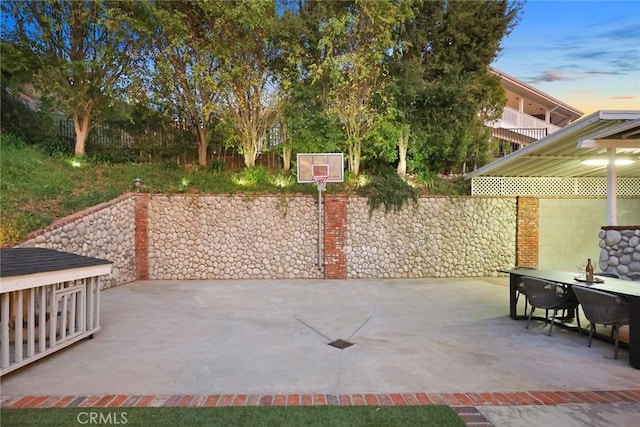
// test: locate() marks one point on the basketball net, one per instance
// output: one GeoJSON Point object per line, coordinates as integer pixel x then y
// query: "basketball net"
{"type": "Point", "coordinates": [321, 182]}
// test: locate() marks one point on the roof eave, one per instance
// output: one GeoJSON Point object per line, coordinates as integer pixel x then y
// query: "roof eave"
{"type": "Point", "coordinates": [613, 115]}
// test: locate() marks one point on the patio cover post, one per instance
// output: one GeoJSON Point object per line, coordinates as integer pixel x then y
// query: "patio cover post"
{"type": "Point", "coordinates": [612, 188]}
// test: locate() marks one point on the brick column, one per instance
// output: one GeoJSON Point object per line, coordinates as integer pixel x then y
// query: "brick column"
{"type": "Point", "coordinates": [142, 239]}
{"type": "Point", "coordinates": [527, 232]}
{"type": "Point", "coordinates": [335, 237]}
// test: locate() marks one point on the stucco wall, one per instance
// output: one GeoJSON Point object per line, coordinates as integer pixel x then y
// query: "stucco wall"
{"type": "Point", "coordinates": [569, 229]}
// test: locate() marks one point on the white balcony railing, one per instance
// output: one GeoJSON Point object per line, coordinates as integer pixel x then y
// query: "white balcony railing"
{"type": "Point", "coordinates": [512, 118]}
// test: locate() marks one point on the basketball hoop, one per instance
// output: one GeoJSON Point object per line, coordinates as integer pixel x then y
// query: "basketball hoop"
{"type": "Point", "coordinates": [321, 181]}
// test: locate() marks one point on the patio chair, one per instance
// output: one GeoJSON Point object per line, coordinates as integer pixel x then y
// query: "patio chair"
{"type": "Point", "coordinates": [635, 276]}
{"type": "Point", "coordinates": [549, 296]}
{"type": "Point", "coordinates": [608, 274]}
{"type": "Point", "coordinates": [520, 289]}
{"type": "Point", "coordinates": [605, 309]}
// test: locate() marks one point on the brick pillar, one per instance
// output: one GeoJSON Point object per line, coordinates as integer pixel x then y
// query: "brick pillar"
{"type": "Point", "coordinates": [142, 239]}
{"type": "Point", "coordinates": [335, 237]}
{"type": "Point", "coordinates": [527, 232]}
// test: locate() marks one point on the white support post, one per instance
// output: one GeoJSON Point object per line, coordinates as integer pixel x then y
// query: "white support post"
{"type": "Point", "coordinates": [53, 316]}
{"type": "Point", "coordinates": [18, 327]}
{"type": "Point", "coordinates": [42, 319]}
{"type": "Point", "coordinates": [31, 323]}
{"type": "Point", "coordinates": [612, 188]}
{"type": "Point", "coordinates": [4, 357]}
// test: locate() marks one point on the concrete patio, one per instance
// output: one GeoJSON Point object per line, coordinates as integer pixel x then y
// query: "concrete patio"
{"type": "Point", "coordinates": [261, 337]}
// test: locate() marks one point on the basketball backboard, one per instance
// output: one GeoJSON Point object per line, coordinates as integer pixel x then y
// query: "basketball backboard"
{"type": "Point", "coordinates": [312, 165]}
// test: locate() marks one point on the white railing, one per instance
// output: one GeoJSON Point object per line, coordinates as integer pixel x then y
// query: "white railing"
{"type": "Point", "coordinates": [512, 118]}
{"type": "Point", "coordinates": [37, 321]}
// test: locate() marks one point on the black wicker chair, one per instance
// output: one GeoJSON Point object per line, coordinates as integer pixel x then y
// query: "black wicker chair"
{"type": "Point", "coordinates": [549, 296]}
{"type": "Point", "coordinates": [520, 288]}
{"type": "Point", "coordinates": [608, 274]}
{"type": "Point", "coordinates": [635, 276]}
{"type": "Point", "coordinates": [605, 309]}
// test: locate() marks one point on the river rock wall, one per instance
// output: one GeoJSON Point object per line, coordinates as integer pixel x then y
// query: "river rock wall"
{"type": "Point", "coordinates": [105, 231]}
{"type": "Point", "coordinates": [437, 237]}
{"type": "Point", "coordinates": [620, 251]}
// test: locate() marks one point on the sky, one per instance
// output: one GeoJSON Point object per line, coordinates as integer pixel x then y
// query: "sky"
{"type": "Point", "coordinates": [584, 53]}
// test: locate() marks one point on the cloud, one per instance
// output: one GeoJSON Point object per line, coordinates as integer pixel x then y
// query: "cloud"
{"type": "Point", "coordinates": [622, 98]}
{"type": "Point", "coordinates": [628, 32]}
{"type": "Point", "coordinates": [559, 75]}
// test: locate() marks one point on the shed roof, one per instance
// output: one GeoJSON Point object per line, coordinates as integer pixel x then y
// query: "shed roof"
{"type": "Point", "coordinates": [560, 154]}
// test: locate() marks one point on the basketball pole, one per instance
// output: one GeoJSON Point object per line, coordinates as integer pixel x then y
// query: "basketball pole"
{"type": "Point", "coordinates": [321, 183]}
{"type": "Point", "coordinates": [320, 217]}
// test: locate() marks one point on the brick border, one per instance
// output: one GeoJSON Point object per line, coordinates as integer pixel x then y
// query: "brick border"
{"type": "Point", "coordinates": [464, 404]}
{"type": "Point", "coordinates": [462, 401]}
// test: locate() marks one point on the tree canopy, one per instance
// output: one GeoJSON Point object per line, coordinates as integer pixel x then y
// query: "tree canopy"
{"type": "Point", "coordinates": [402, 82]}
{"type": "Point", "coordinates": [80, 53]}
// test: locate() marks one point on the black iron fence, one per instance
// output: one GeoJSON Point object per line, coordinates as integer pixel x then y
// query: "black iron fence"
{"type": "Point", "coordinates": [121, 141]}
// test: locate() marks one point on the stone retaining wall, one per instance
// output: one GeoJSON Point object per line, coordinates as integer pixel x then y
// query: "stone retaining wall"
{"type": "Point", "coordinates": [620, 251]}
{"type": "Point", "coordinates": [437, 237]}
{"type": "Point", "coordinates": [233, 237]}
{"type": "Point", "coordinates": [271, 237]}
{"type": "Point", "coordinates": [104, 231]}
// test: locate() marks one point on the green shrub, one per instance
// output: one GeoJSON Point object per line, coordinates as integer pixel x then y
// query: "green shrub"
{"type": "Point", "coordinates": [10, 140]}
{"type": "Point", "coordinates": [427, 179]}
{"type": "Point", "coordinates": [256, 176]}
{"type": "Point", "coordinates": [217, 166]}
{"type": "Point", "coordinates": [388, 189]}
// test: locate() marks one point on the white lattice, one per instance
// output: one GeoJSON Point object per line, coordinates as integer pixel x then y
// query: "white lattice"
{"type": "Point", "coordinates": [551, 186]}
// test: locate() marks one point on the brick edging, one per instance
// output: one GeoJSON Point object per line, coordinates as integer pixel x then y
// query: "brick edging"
{"type": "Point", "coordinates": [459, 401]}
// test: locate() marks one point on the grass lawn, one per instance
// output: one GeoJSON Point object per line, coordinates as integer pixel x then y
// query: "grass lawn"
{"type": "Point", "coordinates": [431, 415]}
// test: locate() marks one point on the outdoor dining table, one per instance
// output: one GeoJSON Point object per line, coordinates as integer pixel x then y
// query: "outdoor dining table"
{"type": "Point", "coordinates": [626, 288]}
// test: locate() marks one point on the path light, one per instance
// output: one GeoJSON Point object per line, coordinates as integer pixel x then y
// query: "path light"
{"type": "Point", "coordinates": [138, 184]}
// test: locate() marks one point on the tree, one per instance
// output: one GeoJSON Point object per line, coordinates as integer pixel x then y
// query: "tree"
{"type": "Point", "coordinates": [250, 98]}
{"type": "Point", "coordinates": [183, 64]}
{"type": "Point", "coordinates": [355, 43]}
{"type": "Point", "coordinates": [83, 50]}
{"type": "Point", "coordinates": [443, 91]}
{"type": "Point", "coordinates": [308, 127]}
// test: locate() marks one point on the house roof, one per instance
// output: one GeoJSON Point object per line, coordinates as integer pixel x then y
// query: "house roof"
{"type": "Point", "coordinates": [23, 268]}
{"type": "Point", "coordinates": [538, 97]}
{"type": "Point", "coordinates": [560, 154]}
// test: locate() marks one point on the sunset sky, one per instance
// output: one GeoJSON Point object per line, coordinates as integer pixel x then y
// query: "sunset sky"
{"type": "Point", "coordinates": [584, 53]}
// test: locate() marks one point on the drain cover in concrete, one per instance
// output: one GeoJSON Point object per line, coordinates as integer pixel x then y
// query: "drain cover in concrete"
{"type": "Point", "coordinates": [341, 344]}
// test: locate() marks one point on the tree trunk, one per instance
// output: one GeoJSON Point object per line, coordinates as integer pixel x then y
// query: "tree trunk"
{"type": "Point", "coordinates": [203, 145]}
{"type": "Point", "coordinates": [403, 144]}
{"type": "Point", "coordinates": [81, 123]}
{"type": "Point", "coordinates": [286, 157]}
{"type": "Point", "coordinates": [354, 157]}
{"type": "Point", "coordinates": [250, 153]}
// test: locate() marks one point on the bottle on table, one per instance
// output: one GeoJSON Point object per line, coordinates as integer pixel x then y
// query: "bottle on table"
{"type": "Point", "coordinates": [589, 270]}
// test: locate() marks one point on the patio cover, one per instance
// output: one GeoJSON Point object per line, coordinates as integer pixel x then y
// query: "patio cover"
{"type": "Point", "coordinates": [601, 135]}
